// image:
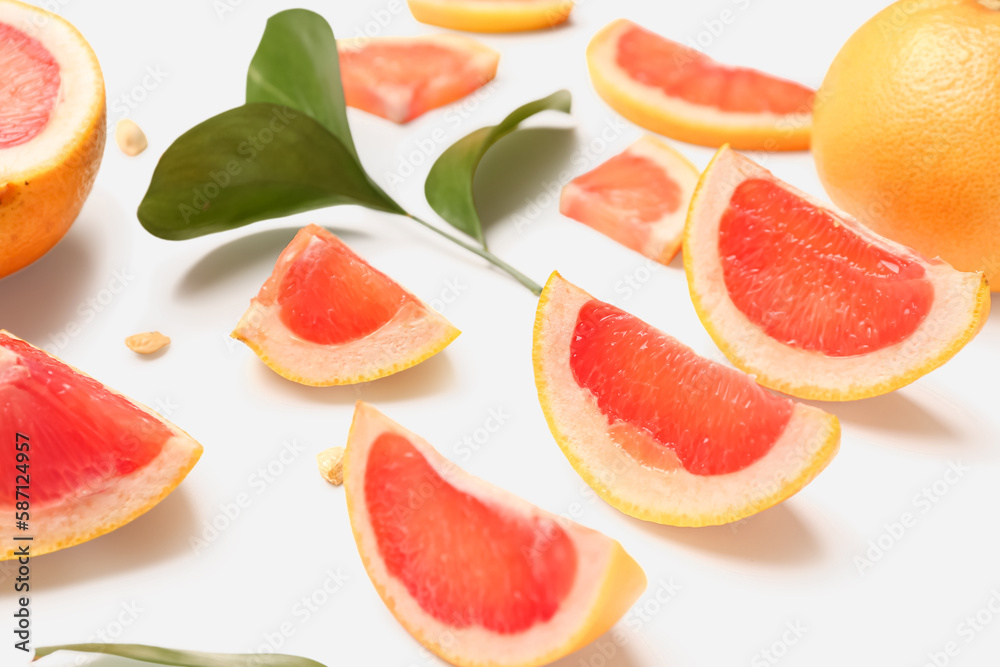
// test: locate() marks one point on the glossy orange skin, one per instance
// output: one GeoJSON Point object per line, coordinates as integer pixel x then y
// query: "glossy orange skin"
{"type": "Point", "coordinates": [904, 129]}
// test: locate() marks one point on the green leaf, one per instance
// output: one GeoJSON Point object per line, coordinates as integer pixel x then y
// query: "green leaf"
{"type": "Point", "coordinates": [449, 184]}
{"type": "Point", "coordinates": [296, 65]}
{"type": "Point", "coordinates": [255, 162]}
{"type": "Point", "coordinates": [163, 656]}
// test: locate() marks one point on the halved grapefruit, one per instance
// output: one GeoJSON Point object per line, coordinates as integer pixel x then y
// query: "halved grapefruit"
{"type": "Point", "coordinates": [327, 317]}
{"type": "Point", "coordinates": [639, 198]}
{"type": "Point", "coordinates": [492, 15]}
{"type": "Point", "coordinates": [680, 92]}
{"type": "Point", "coordinates": [810, 301]}
{"type": "Point", "coordinates": [52, 130]}
{"type": "Point", "coordinates": [477, 575]}
{"type": "Point", "coordinates": [659, 432]}
{"type": "Point", "coordinates": [400, 78]}
{"type": "Point", "coordinates": [86, 459]}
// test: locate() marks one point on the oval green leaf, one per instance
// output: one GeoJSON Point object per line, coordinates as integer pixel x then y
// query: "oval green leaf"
{"type": "Point", "coordinates": [255, 162]}
{"type": "Point", "coordinates": [296, 65]}
{"type": "Point", "coordinates": [449, 184]}
{"type": "Point", "coordinates": [164, 656]}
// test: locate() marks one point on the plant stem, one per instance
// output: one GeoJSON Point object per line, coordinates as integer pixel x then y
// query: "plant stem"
{"type": "Point", "coordinates": [535, 288]}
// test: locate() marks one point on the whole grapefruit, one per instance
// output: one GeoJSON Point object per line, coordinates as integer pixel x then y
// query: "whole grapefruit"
{"type": "Point", "coordinates": [904, 131]}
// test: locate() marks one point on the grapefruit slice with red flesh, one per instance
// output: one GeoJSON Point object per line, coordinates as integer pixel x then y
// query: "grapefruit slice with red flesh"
{"type": "Point", "coordinates": [492, 15]}
{"type": "Point", "coordinates": [639, 198]}
{"type": "Point", "coordinates": [401, 78]}
{"type": "Point", "coordinates": [327, 317]}
{"type": "Point", "coordinates": [659, 432]}
{"type": "Point", "coordinates": [680, 92]}
{"type": "Point", "coordinates": [52, 130]}
{"type": "Point", "coordinates": [477, 575]}
{"type": "Point", "coordinates": [810, 301]}
{"type": "Point", "coordinates": [90, 460]}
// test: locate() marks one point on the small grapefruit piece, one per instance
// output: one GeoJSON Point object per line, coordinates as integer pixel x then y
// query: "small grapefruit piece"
{"type": "Point", "coordinates": [477, 575]}
{"type": "Point", "coordinates": [679, 92]}
{"type": "Point", "coordinates": [93, 459]}
{"type": "Point", "coordinates": [810, 301]}
{"type": "Point", "coordinates": [327, 317]}
{"type": "Point", "coordinates": [492, 15]}
{"type": "Point", "coordinates": [400, 78]}
{"type": "Point", "coordinates": [639, 198]}
{"type": "Point", "coordinates": [660, 433]}
{"type": "Point", "coordinates": [52, 130]}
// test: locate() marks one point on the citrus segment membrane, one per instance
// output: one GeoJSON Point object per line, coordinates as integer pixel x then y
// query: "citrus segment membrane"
{"type": "Point", "coordinates": [534, 581]}
{"type": "Point", "coordinates": [812, 283]}
{"type": "Point", "coordinates": [29, 87]}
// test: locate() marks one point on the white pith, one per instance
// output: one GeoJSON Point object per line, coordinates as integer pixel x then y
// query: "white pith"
{"type": "Point", "coordinates": [665, 233]}
{"type": "Point", "coordinates": [603, 52]}
{"type": "Point", "coordinates": [81, 89]}
{"type": "Point", "coordinates": [469, 646]}
{"type": "Point", "coordinates": [676, 497]}
{"type": "Point", "coordinates": [807, 373]}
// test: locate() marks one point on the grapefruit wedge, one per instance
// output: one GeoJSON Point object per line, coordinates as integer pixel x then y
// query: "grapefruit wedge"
{"type": "Point", "coordinates": [492, 15]}
{"type": "Point", "coordinates": [639, 198]}
{"type": "Point", "coordinates": [810, 301]}
{"type": "Point", "coordinates": [679, 92]}
{"type": "Point", "coordinates": [52, 130]}
{"type": "Point", "coordinates": [477, 575]}
{"type": "Point", "coordinates": [328, 317]}
{"type": "Point", "coordinates": [401, 78]}
{"type": "Point", "coordinates": [87, 459]}
{"type": "Point", "coordinates": [659, 432]}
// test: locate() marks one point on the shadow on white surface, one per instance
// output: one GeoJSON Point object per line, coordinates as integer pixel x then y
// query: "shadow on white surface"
{"type": "Point", "coordinates": [517, 170]}
{"type": "Point", "coordinates": [157, 535]}
{"type": "Point", "coordinates": [434, 375]}
{"type": "Point", "coordinates": [241, 256]}
{"type": "Point", "coordinates": [60, 280]}
{"type": "Point", "coordinates": [618, 647]}
{"type": "Point", "coordinates": [898, 413]}
{"type": "Point", "coordinates": [778, 536]}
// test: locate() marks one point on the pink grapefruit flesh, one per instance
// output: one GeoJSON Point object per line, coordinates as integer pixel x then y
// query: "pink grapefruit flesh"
{"type": "Point", "coordinates": [412, 546]}
{"type": "Point", "coordinates": [687, 74]}
{"type": "Point", "coordinates": [326, 316]}
{"type": "Point", "coordinates": [638, 198]}
{"type": "Point", "coordinates": [780, 253]}
{"type": "Point", "coordinates": [672, 380]}
{"type": "Point", "coordinates": [659, 432]}
{"type": "Point", "coordinates": [677, 91]}
{"type": "Point", "coordinates": [402, 78]}
{"type": "Point", "coordinates": [810, 301]}
{"type": "Point", "coordinates": [329, 295]}
{"type": "Point", "coordinates": [478, 576]}
{"type": "Point", "coordinates": [29, 88]}
{"type": "Point", "coordinates": [94, 459]}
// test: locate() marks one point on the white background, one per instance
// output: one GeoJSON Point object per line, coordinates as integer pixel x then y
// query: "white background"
{"type": "Point", "coordinates": [739, 586]}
